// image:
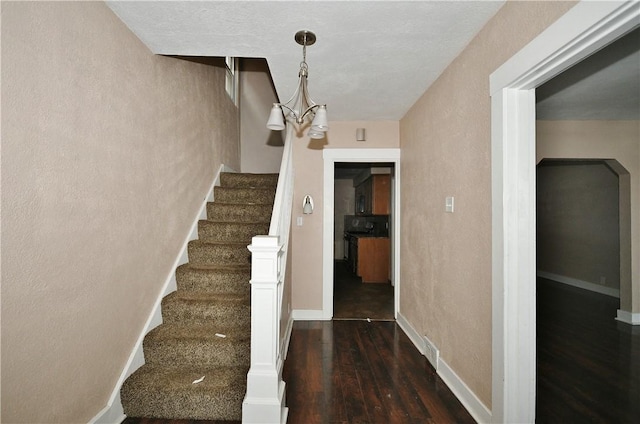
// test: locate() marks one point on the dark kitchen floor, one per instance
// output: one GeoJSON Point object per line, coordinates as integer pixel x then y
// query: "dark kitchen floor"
{"type": "Point", "coordinates": [353, 299]}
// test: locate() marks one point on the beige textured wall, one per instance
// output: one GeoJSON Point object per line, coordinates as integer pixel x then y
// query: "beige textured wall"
{"type": "Point", "coordinates": [308, 163]}
{"type": "Point", "coordinates": [577, 214]}
{"type": "Point", "coordinates": [261, 148]}
{"type": "Point", "coordinates": [445, 289]}
{"type": "Point", "coordinates": [618, 140]}
{"type": "Point", "coordinates": [108, 152]}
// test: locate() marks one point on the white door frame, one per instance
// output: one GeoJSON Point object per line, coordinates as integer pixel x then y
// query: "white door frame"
{"type": "Point", "coordinates": [584, 29]}
{"type": "Point", "coordinates": [331, 156]}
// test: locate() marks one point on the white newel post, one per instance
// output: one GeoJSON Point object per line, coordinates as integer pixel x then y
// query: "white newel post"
{"type": "Point", "coordinates": [265, 398]}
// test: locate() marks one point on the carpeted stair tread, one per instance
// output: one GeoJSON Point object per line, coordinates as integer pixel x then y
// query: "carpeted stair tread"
{"type": "Point", "coordinates": [230, 231]}
{"type": "Point", "coordinates": [225, 309]}
{"type": "Point", "coordinates": [249, 196]}
{"type": "Point", "coordinates": [209, 345]}
{"type": "Point", "coordinates": [206, 253]}
{"type": "Point", "coordinates": [214, 278]}
{"type": "Point", "coordinates": [169, 392]}
{"type": "Point", "coordinates": [218, 253]}
{"type": "Point", "coordinates": [228, 179]}
{"type": "Point", "coordinates": [230, 212]}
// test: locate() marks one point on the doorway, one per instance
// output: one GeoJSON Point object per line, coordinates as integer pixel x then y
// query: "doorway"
{"type": "Point", "coordinates": [583, 30]}
{"type": "Point", "coordinates": [362, 280]}
{"type": "Point", "coordinates": [388, 157]}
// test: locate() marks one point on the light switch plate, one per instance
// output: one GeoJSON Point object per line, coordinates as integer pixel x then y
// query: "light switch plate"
{"type": "Point", "coordinates": [448, 204]}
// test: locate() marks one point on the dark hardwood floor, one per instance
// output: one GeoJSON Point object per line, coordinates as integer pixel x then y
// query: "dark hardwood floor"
{"type": "Point", "coordinates": [363, 372]}
{"type": "Point", "coordinates": [588, 363]}
{"type": "Point", "coordinates": [353, 299]}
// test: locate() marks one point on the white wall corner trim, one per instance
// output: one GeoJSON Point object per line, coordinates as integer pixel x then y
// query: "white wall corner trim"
{"type": "Point", "coordinates": [583, 30]}
{"type": "Point", "coordinates": [309, 315]}
{"type": "Point", "coordinates": [113, 412]}
{"type": "Point", "coordinates": [628, 317]}
{"type": "Point", "coordinates": [585, 285]}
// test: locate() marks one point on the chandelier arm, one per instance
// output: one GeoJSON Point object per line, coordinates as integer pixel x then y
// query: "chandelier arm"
{"type": "Point", "coordinates": [295, 94]}
{"type": "Point", "coordinates": [300, 104]}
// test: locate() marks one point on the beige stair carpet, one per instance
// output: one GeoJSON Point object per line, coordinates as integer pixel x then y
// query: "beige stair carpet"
{"type": "Point", "coordinates": [196, 361]}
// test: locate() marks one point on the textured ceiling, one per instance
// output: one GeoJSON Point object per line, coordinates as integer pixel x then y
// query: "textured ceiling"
{"type": "Point", "coordinates": [372, 59]}
{"type": "Point", "coordinates": [605, 85]}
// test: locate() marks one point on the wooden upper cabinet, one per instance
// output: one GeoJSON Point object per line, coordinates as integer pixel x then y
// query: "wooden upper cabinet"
{"type": "Point", "coordinates": [381, 194]}
{"type": "Point", "coordinates": [373, 196]}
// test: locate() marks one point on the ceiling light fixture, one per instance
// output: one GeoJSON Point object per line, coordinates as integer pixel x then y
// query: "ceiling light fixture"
{"type": "Point", "coordinates": [300, 105]}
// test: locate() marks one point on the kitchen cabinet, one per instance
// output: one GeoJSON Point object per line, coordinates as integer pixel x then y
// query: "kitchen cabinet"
{"type": "Point", "coordinates": [373, 195]}
{"type": "Point", "coordinates": [373, 257]}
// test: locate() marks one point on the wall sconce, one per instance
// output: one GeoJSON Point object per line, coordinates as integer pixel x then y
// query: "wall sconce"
{"type": "Point", "coordinates": [307, 205]}
{"type": "Point", "coordinates": [361, 134]}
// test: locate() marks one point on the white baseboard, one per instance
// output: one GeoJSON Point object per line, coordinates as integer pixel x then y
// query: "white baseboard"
{"type": "Point", "coordinates": [308, 315]}
{"type": "Point", "coordinates": [628, 317]}
{"type": "Point", "coordinates": [465, 395]}
{"type": "Point", "coordinates": [113, 412]}
{"type": "Point", "coordinates": [287, 339]}
{"type": "Point", "coordinates": [609, 291]}
{"type": "Point", "coordinates": [411, 332]}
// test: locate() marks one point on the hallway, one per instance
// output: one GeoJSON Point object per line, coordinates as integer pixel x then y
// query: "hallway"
{"type": "Point", "coordinates": [363, 372]}
{"type": "Point", "coordinates": [353, 299]}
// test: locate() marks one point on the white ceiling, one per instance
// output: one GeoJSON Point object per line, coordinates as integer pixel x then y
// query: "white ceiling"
{"type": "Point", "coordinates": [372, 59]}
{"type": "Point", "coordinates": [605, 85]}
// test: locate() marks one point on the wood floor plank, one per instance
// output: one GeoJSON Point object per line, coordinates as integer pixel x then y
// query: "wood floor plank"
{"type": "Point", "coordinates": [382, 378]}
{"type": "Point", "coordinates": [588, 364]}
{"type": "Point", "coordinates": [403, 403]}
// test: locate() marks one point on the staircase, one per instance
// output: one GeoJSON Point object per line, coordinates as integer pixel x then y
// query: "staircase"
{"type": "Point", "coordinates": [206, 329]}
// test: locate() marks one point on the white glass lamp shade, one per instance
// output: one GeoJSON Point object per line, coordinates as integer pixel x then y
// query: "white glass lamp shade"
{"type": "Point", "coordinates": [320, 122]}
{"type": "Point", "coordinates": [307, 205]}
{"type": "Point", "coordinates": [315, 133]}
{"type": "Point", "coordinates": [276, 121]}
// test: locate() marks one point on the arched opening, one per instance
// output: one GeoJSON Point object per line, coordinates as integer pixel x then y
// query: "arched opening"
{"type": "Point", "coordinates": [583, 225]}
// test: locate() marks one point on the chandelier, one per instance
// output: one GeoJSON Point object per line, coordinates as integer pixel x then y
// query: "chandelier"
{"type": "Point", "coordinates": [300, 105]}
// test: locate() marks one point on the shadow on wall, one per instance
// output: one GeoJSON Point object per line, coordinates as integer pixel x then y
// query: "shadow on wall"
{"type": "Point", "coordinates": [275, 139]}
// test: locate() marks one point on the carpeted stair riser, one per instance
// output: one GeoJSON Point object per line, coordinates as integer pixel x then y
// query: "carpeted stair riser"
{"type": "Point", "coordinates": [170, 392]}
{"type": "Point", "coordinates": [225, 310]}
{"type": "Point", "coordinates": [214, 253]}
{"type": "Point", "coordinates": [230, 179]}
{"type": "Point", "coordinates": [248, 196]}
{"type": "Point", "coordinates": [230, 231]}
{"type": "Point", "coordinates": [206, 329]}
{"type": "Point", "coordinates": [229, 212]}
{"type": "Point", "coordinates": [171, 344]}
{"type": "Point", "coordinates": [231, 279]}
